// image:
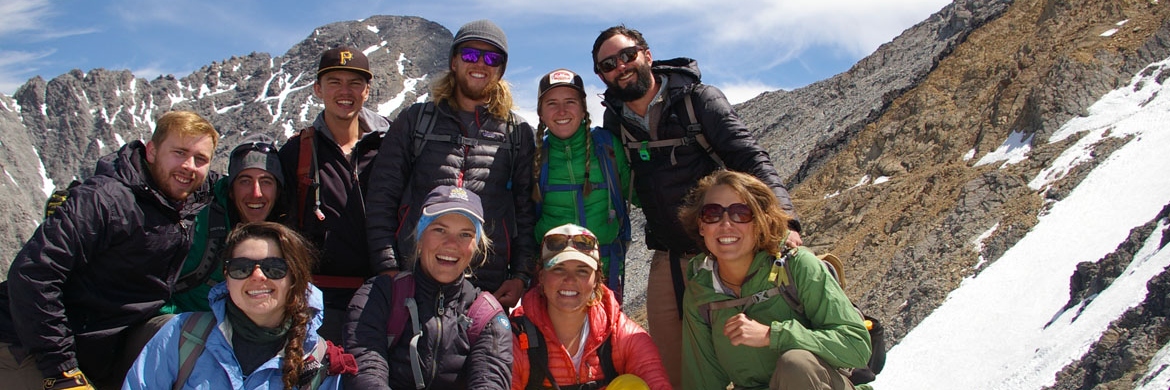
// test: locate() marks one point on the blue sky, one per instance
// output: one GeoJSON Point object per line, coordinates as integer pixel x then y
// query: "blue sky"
{"type": "Point", "coordinates": [744, 49]}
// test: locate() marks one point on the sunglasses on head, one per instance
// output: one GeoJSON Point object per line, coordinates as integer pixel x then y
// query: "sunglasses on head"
{"type": "Point", "coordinates": [262, 147]}
{"type": "Point", "coordinates": [580, 242]}
{"type": "Point", "coordinates": [713, 213]}
{"type": "Point", "coordinates": [626, 56]}
{"type": "Point", "coordinates": [471, 55]}
{"type": "Point", "coordinates": [241, 268]}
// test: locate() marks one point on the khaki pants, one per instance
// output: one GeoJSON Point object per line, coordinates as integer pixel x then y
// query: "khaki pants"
{"type": "Point", "coordinates": [18, 374]}
{"type": "Point", "coordinates": [798, 369]}
{"type": "Point", "coordinates": [663, 317]}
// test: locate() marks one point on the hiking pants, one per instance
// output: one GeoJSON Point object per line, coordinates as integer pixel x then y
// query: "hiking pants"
{"type": "Point", "coordinates": [799, 369]}
{"type": "Point", "coordinates": [18, 374]}
{"type": "Point", "coordinates": [663, 317]}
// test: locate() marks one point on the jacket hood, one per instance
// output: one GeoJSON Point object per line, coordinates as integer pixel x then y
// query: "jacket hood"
{"type": "Point", "coordinates": [218, 297]}
{"type": "Point", "coordinates": [682, 74]}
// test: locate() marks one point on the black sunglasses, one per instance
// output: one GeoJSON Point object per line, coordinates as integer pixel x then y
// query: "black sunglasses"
{"type": "Point", "coordinates": [626, 55]}
{"type": "Point", "coordinates": [262, 147]}
{"type": "Point", "coordinates": [241, 268]}
{"type": "Point", "coordinates": [738, 212]}
{"type": "Point", "coordinates": [471, 55]}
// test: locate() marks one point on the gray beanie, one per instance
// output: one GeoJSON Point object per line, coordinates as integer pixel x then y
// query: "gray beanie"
{"type": "Point", "coordinates": [481, 30]}
{"type": "Point", "coordinates": [256, 151]}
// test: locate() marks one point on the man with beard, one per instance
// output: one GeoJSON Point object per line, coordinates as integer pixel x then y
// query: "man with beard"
{"type": "Point", "coordinates": [326, 169]}
{"type": "Point", "coordinates": [99, 268]}
{"type": "Point", "coordinates": [466, 137]}
{"type": "Point", "coordinates": [676, 130]}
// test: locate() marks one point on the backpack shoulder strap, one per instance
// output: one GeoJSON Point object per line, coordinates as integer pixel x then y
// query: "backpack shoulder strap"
{"type": "Point", "coordinates": [606, 155]}
{"type": "Point", "coordinates": [532, 341]}
{"type": "Point", "coordinates": [192, 341]}
{"type": "Point", "coordinates": [695, 129]}
{"type": "Point", "coordinates": [401, 290]}
{"type": "Point", "coordinates": [605, 355]}
{"type": "Point", "coordinates": [308, 177]}
{"type": "Point", "coordinates": [422, 130]}
{"type": "Point", "coordinates": [217, 230]}
{"type": "Point", "coordinates": [483, 310]}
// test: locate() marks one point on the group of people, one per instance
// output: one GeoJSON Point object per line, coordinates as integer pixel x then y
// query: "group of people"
{"type": "Point", "coordinates": [452, 247]}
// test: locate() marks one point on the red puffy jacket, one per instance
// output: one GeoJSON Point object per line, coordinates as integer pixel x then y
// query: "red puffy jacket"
{"type": "Point", "coordinates": [633, 351]}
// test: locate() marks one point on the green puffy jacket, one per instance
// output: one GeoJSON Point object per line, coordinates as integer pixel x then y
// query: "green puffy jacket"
{"type": "Point", "coordinates": [195, 299]}
{"type": "Point", "coordinates": [831, 328]}
{"type": "Point", "coordinates": [566, 165]}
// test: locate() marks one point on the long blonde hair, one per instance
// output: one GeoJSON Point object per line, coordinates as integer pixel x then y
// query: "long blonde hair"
{"type": "Point", "coordinates": [499, 94]}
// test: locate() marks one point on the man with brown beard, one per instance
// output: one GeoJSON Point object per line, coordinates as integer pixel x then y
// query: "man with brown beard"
{"type": "Point", "coordinates": [466, 137]}
{"type": "Point", "coordinates": [676, 130]}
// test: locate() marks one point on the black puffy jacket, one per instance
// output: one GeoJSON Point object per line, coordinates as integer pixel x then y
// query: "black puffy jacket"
{"type": "Point", "coordinates": [103, 262]}
{"type": "Point", "coordinates": [502, 179]}
{"type": "Point", "coordinates": [447, 358]}
{"type": "Point", "coordinates": [664, 180]}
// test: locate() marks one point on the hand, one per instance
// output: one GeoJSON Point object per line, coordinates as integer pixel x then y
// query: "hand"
{"type": "Point", "coordinates": [68, 380]}
{"type": "Point", "coordinates": [746, 331]}
{"type": "Point", "coordinates": [509, 292]}
{"type": "Point", "coordinates": [793, 239]}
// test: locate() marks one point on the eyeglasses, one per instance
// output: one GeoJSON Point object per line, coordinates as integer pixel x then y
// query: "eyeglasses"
{"type": "Point", "coordinates": [626, 56]}
{"type": "Point", "coordinates": [581, 242]}
{"type": "Point", "coordinates": [490, 58]}
{"type": "Point", "coordinates": [262, 147]}
{"type": "Point", "coordinates": [713, 213]}
{"type": "Point", "coordinates": [241, 268]}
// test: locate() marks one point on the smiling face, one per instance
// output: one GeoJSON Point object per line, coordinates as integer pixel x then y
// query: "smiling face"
{"type": "Point", "coordinates": [561, 110]}
{"type": "Point", "coordinates": [629, 81]}
{"type": "Point", "coordinates": [343, 92]}
{"type": "Point", "coordinates": [254, 193]}
{"type": "Point", "coordinates": [260, 298]}
{"type": "Point", "coordinates": [727, 240]}
{"type": "Point", "coordinates": [473, 79]}
{"type": "Point", "coordinates": [446, 247]}
{"type": "Point", "coordinates": [179, 164]}
{"type": "Point", "coordinates": [568, 285]}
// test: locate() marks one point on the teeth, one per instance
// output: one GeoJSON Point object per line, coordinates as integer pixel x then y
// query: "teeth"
{"type": "Point", "coordinates": [478, 75]}
{"type": "Point", "coordinates": [183, 180]}
{"type": "Point", "coordinates": [562, 121]}
{"type": "Point", "coordinates": [447, 258]}
{"type": "Point", "coordinates": [567, 293]}
{"type": "Point", "coordinates": [258, 292]}
{"type": "Point", "coordinates": [346, 102]}
{"type": "Point", "coordinates": [255, 206]}
{"type": "Point", "coordinates": [728, 240]}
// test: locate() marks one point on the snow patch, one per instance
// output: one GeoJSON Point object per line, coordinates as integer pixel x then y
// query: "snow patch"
{"type": "Point", "coordinates": [372, 28]}
{"type": "Point", "coordinates": [1013, 150]}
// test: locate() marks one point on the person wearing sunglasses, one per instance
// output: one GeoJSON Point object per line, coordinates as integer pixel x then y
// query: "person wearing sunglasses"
{"type": "Point", "coordinates": [741, 228]}
{"type": "Point", "coordinates": [439, 341]}
{"type": "Point", "coordinates": [327, 170]}
{"type": "Point", "coordinates": [580, 177]}
{"type": "Point", "coordinates": [465, 136]}
{"type": "Point", "coordinates": [675, 130]}
{"type": "Point", "coordinates": [570, 329]}
{"type": "Point", "coordinates": [251, 192]}
{"type": "Point", "coordinates": [265, 313]}
{"type": "Point", "coordinates": [97, 270]}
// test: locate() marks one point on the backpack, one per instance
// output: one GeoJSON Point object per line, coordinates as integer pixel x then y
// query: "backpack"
{"type": "Point", "coordinates": [217, 231]}
{"type": "Point", "coordinates": [403, 306]}
{"type": "Point", "coordinates": [616, 251]}
{"type": "Point", "coordinates": [58, 197]}
{"type": "Point", "coordinates": [787, 289]}
{"type": "Point", "coordinates": [532, 341]}
{"type": "Point", "coordinates": [308, 177]}
{"type": "Point", "coordinates": [425, 125]}
{"type": "Point", "coordinates": [193, 340]}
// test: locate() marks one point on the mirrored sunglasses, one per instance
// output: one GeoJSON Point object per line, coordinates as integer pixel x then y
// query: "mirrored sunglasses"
{"type": "Point", "coordinates": [626, 56]}
{"type": "Point", "coordinates": [471, 55]}
{"type": "Point", "coordinates": [262, 147]}
{"type": "Point", "coordinates": [738, 212]}
{"type": "Point", "coordinates": [241, 268]}
{"type": "Point", "coordinates": [581, 242]}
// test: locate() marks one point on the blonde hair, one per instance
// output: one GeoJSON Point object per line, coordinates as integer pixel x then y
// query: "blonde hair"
{"type": "Point", "coordinates": [499, 94]}
{"type": "Point", "coordinates": [184, 123]}
{"type": "Point", "coordinates": [769, 220]}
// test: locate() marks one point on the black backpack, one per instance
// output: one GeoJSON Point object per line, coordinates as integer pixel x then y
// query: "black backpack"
{"type": "Point", "coordinates": [532, 341]}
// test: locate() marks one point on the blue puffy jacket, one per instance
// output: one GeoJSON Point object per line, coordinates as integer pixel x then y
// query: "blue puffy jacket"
{"type": "Point", "coordinates": [217, 368]}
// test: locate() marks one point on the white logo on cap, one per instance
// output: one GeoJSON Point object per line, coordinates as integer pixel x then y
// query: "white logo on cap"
{"type": "Point", "coordinates": [560, 76]}
{"type": "Point", "coordinates": [459, 193]}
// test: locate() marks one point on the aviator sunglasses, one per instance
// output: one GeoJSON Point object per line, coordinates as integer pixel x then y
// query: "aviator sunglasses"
{"type": "Point", "coordinates": [581, 242]}
{"type": "Point", "coordinates": [713, 213]}
{"type": "Point", "coordinates": [241, 268]}
{"type": "Point", "coordinates": [626, 56]}
{"type": "Point", "coordinates": [471, 55]}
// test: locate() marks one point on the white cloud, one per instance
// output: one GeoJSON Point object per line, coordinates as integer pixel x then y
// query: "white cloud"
{"type": "Point", "coordinates": [741, 92]}
{"type": "Point", "coordinates": [15, 65]}
{"type": "Point", "coordinates": [21, 16]}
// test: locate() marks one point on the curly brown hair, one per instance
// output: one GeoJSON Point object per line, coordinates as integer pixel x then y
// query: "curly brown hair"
{"type": "Point", "coordinates": [770, 221]}
{"type": "Point", "coordinates": [301, 259]}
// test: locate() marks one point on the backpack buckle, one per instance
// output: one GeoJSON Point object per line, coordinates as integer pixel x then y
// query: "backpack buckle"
{"type": "Point", "coordinates": [644, 151]}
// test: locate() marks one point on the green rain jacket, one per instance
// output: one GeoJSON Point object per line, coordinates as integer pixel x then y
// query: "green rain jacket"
{"type": "Point", "coordinates": [195, 299]}
{"type": "Point", "coordinates": [831, 328]}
